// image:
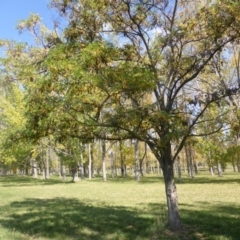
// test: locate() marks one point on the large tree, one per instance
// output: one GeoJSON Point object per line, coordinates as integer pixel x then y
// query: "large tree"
{"type": "Point", "coordinates": [96, 79]}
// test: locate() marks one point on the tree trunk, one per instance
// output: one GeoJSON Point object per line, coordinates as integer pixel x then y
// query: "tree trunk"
{"type": "Point", "coordinates": [26, 166]}
{"type": "Point", "coordinates": [63, 170]}
{"type": "Point", "coordinates": [143, 159]}
{"type": "Point", "coordinates": [104, 160]}
{"type": "Point", "coordinates": [74, 173]}
{"type": "Point", "coordinates": [125, 170]}
{"type": "Point", "coordinates": [238, 162]}
{"type": "Point", "coordinates": [219, 169]}
{"type": "Point", "coordinates": [196, 166]}
{"type": "Point", "coordinates": [34, 168]}
{"type": "Point", "coordinates": [85, 170]}
{"type": "Point", "coordinates": [81, 166]}
{"type": "Point", "coordinates": [112, 162]}
{"type": "Point", "coordinates": [89, 162]}
{"type": "Point", "coordinates": [81, 170]}
{"type": "Point", "coordinates": [136, 150]}
{"type": "Point", "coordinates": [170, 188]}
{"type": "Point", "coordinates": [234, 166]}
{"type": "Point", "coordinates": [59, 168]}
{"type": "Point", "coordinates": [189, 160]}
{"type": "Point", "coordinates": [194, 162]}
{"type": "Point", "coordinates": [211, 171]}
{"type": "Point", "coordinates": [151, 168]}
{"type": "Point", "coordinates": [179, 170]}
{"type": "Point", "coordinates": [123, 173]}
{"type": "Point", "coordinates": [92, 167]}
{"type": "Point", "coordinates": [47, 163]}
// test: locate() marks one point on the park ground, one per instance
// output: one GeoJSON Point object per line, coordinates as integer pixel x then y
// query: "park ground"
{"type": "Point", "coordinates": [118, 209]}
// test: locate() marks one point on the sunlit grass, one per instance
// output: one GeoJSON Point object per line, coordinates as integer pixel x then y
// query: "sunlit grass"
{"type": "Point", "coordinates": [118, 209]}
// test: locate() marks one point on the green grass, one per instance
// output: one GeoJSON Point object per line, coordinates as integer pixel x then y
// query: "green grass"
{"type": "Point", "coordinates": [118, 209]}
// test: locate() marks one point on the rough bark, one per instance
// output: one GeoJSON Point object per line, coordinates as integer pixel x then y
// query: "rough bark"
{"type": "Point", "coordinates": [170, 188]}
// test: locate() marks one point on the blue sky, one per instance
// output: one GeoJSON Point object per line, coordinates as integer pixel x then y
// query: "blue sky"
{"type": "Point", "coordinates": [13, 10]}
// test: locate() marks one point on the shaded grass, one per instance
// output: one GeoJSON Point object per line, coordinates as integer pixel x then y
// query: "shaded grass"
{"type": "Point", "coordinates": [13, 181]}
{"type": "Point", "coordinates": [218, 221]}
{"type": "Point", "coordinates": [118, 209]}
{"type": "Point", "coordinates": [65, 218]}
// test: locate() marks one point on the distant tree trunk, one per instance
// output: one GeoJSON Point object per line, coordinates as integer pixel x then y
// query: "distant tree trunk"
{"type": "Point", "coordinates": [112, 162]}
{"type": "Point", "coordinates": [89, 161]}
{"type": "Point", "coordinates": [238, 162]}
{"type": "Point", "coordinates": [92, 165]}
{"type": "Point", "coordinates": [151, 168]}
{"type": "Point", "coordinates": [179, 170]}
{"type": "Point", "coordinates": [210, 164]}
{"type": "Point", "coordinates": [81, 166]}
{"type": "Point", "coordinates": [145, 161]}
{"type": "Point", "coordinates": [74, 173]}
{"type": "Point", "coordinates": [211, 170]}
{"type": "Point", "coordinates": [59, 167]}
{"type": "Point", "coordinates": [104, 160]}
{"type": "Point", "coordinates": [123, 173]}
{"type": "Point", "coordinates": [136, 150]}
{"type": "Point", "coordinates": [196, 166]}
{"type": "Point", "coordinates": [125, 169]}
{"type": "Point", "coordinates": [81, 170]}
{"type": "Point", "coordinates": [233, 164]}
{"type": "Point", "coordinates": [219, 169]}
{"type": "Point", "coordinates": [188, 151]}
{"type": "Point", "coordinates": [184, 165]}
{"type": "Point", "coordinates": [85, 170]}
{"type": "Point", "coordinates": [26, 168]}
{"type": "Point", "coordinates": [47, 162]}
{"type": "Point", "coordinates": [142, 159]}
{"type": "Point", "coordinates": [63, 171]}
{"type": "Point", "coordinates": [34, 168]}
{"type": "Point", "coordinates": [116, 169]}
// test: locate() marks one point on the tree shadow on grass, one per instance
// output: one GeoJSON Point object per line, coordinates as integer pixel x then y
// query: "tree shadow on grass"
{"type": "Point", "coordinates": [18, 181]}
{"type": "Point", "coordinates": [63, 218]}
{"type": "Point", "coordinates": [216, 220]}
{"type": "Point", "coordinates": [199, 179]}
{"type": "Point", "coordinates": [146, 179]}
{"type": "Point", "coordinates": [210, 179]}
{"type": "Point", "coordinates": [208, 221]}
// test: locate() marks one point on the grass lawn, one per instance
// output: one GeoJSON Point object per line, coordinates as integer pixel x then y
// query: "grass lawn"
{"type": "Point", "coordinates": [118, 209]}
